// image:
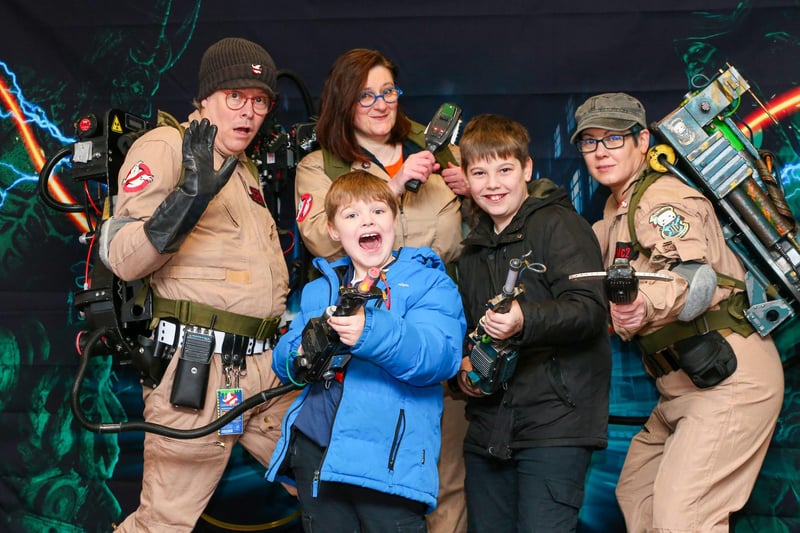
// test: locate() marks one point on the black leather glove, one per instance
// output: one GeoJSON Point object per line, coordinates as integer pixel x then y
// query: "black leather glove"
{"type": "Point", "coordinates": [179, 212]}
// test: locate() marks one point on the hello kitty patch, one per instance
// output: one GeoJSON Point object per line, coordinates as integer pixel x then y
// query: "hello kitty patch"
{"type": "Point", "coordinates": [669, 223]}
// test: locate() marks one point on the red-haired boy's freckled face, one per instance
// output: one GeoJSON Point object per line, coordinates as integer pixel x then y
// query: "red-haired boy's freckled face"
{"type": "Point", "coordinates": [366, 230]}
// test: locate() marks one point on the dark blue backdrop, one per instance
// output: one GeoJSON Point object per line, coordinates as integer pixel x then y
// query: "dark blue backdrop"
{"type": "Point", "coordinates": [533, 61]}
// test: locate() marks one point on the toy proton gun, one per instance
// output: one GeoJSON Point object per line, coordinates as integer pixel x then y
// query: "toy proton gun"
{"type": "Point", "coordinates": [494, 361]}
{"type": "Point", "coordinates": [621, 281]}
{"type": "Point", "coordinates": [441, 130]}
{"type": "Point", "coordinates": [323, 353]}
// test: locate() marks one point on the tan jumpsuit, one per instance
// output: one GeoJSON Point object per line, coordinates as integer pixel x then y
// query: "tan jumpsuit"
{"type": "Point", "coordinates": [697, 457]}
{"type": "Point", "coordinates": [232, 260]}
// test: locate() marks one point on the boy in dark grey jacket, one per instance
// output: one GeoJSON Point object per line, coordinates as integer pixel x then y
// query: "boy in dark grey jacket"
{"type": "Point", "coordinates": [529, 444]}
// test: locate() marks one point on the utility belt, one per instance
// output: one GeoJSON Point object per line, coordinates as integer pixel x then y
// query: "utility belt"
{"type": "Point", "coordinates": [698, 346]}
{"type": "Point", "coordinates": [205, 316]}
{"type": "Point", "coordinates": [172, 334]}
{"type": "Point", "coordinates": [201, 331]}
{"type": "Point", "coordinates": [198, 346]}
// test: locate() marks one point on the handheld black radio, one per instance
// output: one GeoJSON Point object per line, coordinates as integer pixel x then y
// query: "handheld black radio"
{"type": "Point", "coordinates": [441, 130]}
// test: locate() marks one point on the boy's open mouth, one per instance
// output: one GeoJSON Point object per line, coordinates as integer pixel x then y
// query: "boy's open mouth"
{"type": "Point", "coordinates": [370, 241]}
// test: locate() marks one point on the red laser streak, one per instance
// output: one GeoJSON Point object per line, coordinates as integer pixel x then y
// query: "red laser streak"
{"type": "Point", "coordinates": [780, 107]}
{"type": "Point", "coordinates": [35, 153]}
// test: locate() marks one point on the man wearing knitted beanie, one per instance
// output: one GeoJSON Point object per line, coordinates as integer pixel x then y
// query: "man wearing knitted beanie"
{"type": "Point", "coordinates": [190, 217]}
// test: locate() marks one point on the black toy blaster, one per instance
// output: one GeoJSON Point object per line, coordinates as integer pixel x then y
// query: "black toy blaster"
{"type": "Point", "coordinates": [441, 130]}
{"type": "Point", "coordinates": [493, 361]}
{"type": "Point", "coordinates": [323, 353]}
{"type": "Point", "coordinates": [621, 281]}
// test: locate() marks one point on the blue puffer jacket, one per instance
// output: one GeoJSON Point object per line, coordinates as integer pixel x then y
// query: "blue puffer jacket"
{"type": "Point", "coordinates": [386, 434]}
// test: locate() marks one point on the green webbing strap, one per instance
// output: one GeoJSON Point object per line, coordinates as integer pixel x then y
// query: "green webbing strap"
{"type": "Point", "coordinates": [731, 312]}
{"type": "Point", "coordinates": [727, 281]}
{"type": "Point", "coordinates": [203, 315]}
{"type": "Point", "coordinates": [165, 119]}
{"type": "Point", "coordinates": [638, 191]}
{"type": "Point", "coordinates": [730, 315]}
{"type": "Point", "coordinates": [334, 166]}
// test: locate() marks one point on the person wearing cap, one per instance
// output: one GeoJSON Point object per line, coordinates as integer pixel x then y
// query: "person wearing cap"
{"type": "Point", "coordinates": [697, 457]}
{"type": "Point", "coordinates": [190, 217]}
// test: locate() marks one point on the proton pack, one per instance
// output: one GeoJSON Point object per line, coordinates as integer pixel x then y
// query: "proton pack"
{"type": "Point", "coordinates": [106, 301]}
{"type": "Point", "coordinates": [120, 316]}
{"type": "Point", "coordinates": [706, 149]}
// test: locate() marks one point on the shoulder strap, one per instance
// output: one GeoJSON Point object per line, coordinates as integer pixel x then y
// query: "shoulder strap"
{"type": "Point", "coordinates": [638, 191]}
{"type": "Point", "coordinates": [165, 119]}
{"type": "Point", "coordinates": [334, 165]}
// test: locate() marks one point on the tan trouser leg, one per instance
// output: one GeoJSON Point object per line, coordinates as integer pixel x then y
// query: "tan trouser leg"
{"type": "Point", "coordinates": [450, 515]}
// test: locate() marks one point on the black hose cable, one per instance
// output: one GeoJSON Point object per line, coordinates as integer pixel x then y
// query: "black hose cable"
{"type": "Point", "coordinates": [307, 101]}
{"type": "Point", "coordinates": [120, 427]}
{"type": "Point", "coordinates": [44, 180]}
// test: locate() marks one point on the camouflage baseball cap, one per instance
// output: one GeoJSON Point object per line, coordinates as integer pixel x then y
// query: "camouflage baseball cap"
{"type": "Point", "coordinates": [609, 111]}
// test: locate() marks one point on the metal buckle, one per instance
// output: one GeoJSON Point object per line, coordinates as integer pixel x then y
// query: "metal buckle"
{"type": "Point", "coordinates": [705, 323]}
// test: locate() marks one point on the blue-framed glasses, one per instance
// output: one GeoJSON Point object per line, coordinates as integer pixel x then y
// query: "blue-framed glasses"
{"type": "Point", "coordinates": [390, 96]}
{"type": "Point", "coordinates": [611, 142]}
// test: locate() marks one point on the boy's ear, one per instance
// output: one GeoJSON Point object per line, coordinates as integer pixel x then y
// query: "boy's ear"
{"type": "Point", "coordinates": [528, 170]}
{"type": "Point", "coordinates": [332, 232]}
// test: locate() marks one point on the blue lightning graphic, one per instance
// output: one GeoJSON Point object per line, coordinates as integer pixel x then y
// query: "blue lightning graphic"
{"type": "Point", "coordinates": [20, 179]}
{"type": "Point", "coordinates": [33, 113]}
{"type": "Point", "coordinates": [790, 176]}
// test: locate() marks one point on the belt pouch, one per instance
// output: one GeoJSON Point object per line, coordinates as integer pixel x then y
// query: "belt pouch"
{"type": "Point", "coordinates": [191, 374]}
{"type": "Point", "coordinates": [707, 359]}
{"type": "Point", "coordinates": [150, 361]}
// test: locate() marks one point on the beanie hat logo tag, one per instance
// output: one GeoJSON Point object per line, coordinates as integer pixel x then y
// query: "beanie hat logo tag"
{"type": "Point", "coordinates": [235, 63]}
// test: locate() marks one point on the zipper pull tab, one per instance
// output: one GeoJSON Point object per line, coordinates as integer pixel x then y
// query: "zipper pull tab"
{"type": "Point", "coordinates": [315, 484]}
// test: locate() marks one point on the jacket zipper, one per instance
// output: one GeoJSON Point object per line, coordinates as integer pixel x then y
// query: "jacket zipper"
{"type": "Point", "coordinates": [399, 430]}
{"type": "Point", "coordinates": [563, 383]}
{"type": "Point", "coordinates": [316, 480]}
